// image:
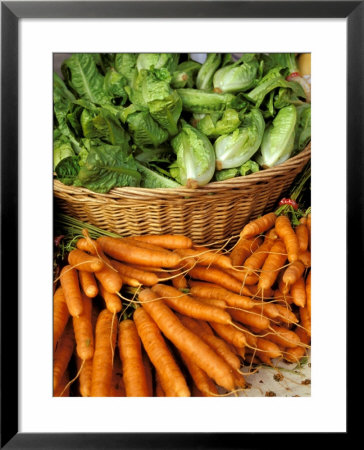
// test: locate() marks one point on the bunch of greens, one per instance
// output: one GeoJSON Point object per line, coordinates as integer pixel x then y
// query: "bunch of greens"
{"type": "Point", "coordinates": [163, 120]}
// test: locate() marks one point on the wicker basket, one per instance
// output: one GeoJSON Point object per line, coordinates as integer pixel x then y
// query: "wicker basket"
{"type": "Point", "coordinates": [208, 214]}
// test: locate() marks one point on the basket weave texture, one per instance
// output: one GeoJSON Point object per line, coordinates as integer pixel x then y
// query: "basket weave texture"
{"type": "Point", "coordinates": [211, 213]}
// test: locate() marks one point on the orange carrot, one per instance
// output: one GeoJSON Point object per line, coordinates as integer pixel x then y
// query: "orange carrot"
{"type": "Point", "coordinates": [298, 292]}
{"type": "Point", "coordinates": [210, 290]}
{"type": "Point", "coordinates": [158, 386]}
{"type": "Point", "coordinates": [293, 272]}
{"type": "Point", "coordinates": [60, 315]}
{"type": "Point", "coordinates": [283, 336]}
{"type": "Point", "coordinates": [256, 260]}
{"type": "Point", "coordinates": [230, 334]}
{"type": "Point", "coordinates": [186, 341]}
{"type": "Point", "coordinates": [188, 306]}
{"type": "Point", "coordinates": [254, 319]}
{"type": "Point", "coordinates": [117, 384]}
{"type": "Point", "coordinates": [179, 281]}
{"type": "Point", "coordinates": [305, 258]}
{"type": "Point", "coordinates": [172, 380]}
{"type": "Point", "coordinates": [124, 250]}
{"type": "Point", "coordinates": [148, 372]}
{"type": "Point", "coordinates": [241, 275]}
{"type": "Point", "coordinates": [216, 276]}
{"type": "Point", "coordinates": [82, 261]}
{"type": "Point", "coordinates": [63, 354]}
{"type": "Point", "coordinates": [105, 340]}
{"type": "Point", "coordinates": [82, 328]}
{"type": "Point", "coordinates": [212, 301]}
{"type": "Point", "coordinates": [294, 354]}
{"type": "Point", "coordinates": [134, 374]}
{"type": "Point", "coordinates": [142, 276]}
{"type": "Point", "coordinates": [71, 290]}
{"type": "Point", "coordinates": [272, 265]}
{"type": "Point", "coordinates": [206, 257]}
{"type": "Point", "coordinates": [61, 389]}
{"type": "Point", "coordinates": [85, 376]}
{"type": "Point", "coordinates": [200, 378]}
{"type": "Point", "coordinates": [258, 226]}
{"type": "Point", "coordinates": [242, 249]}
{"type": "Point", "coordinates": [268, 347]}
{"type": "Point", "coordinates": [112, 301]}
{"type": "Point", "coordinates": [301, 231]}
{"type": "Point", "coordinates": [88, 283]}
{"type": "Point", "coordinates": [286, 233]}
{"type": "Point", "coordinates": [267, 308]}
{"type": "Point", "coordinates": [286, 315]}
{"type": "Point", "coordinates": [305, 320]}
{"type": "Point", "coordinates": [308, 293]}
{"type": "Point", "coordinates": [169, 241]}
{"type": "Point", "coordinates": [203, 330]}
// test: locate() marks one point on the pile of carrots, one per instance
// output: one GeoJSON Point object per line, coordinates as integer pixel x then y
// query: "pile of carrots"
{"type": "Point", "coordinates": [157, 315]}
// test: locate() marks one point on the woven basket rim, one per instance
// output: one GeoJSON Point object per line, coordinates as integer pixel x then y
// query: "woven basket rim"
{"type": "Point", "coordinates": [215, 186]}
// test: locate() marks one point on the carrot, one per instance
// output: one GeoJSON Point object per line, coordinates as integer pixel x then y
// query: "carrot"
{"type": "Point", "coordinates": [61, 388]}
{"type": "Point", "coordinates": [82, 261]}
{"type": "Point", "coordinates": [158, 386]}
{"type": "Point", "coordinates": [268, 347]}
{"type": "Point", "coordinates": [110, 279]}
{"type": "Point", "coordinates": [172, 380]}
{"type": "Point", "coordinates": [293, 272]}
{"type": "Point", "coordinates": [71, 290]}
{"type": "Point", "coordinates": [305, 320]}
{"type": "Point", "coordinates": [188, 306]}
{"type": "Point", "coordinates": [257, 292]}
{"type": "Point", "coordinates": [273, 263]}
{"type": "Point", "coordinates": [256, 260]}
{"type": "Point", "coordinates": [308, 293]}
{"type": "Point", "coordinates": [230, 334]}
{"type": "Point", "coordinates": [294, 354]}
{"type": "Point", "coordinates": [268, 309]}
{"type": "Point", "coordinates": [204, 384]}
{"type": "Point", "coordinates": [286, 233]}
{"type": "Point", "coordinates": [283, 336]}
{"type": "Point", "coordinates": [123, 250]}
{"type": "Point", "coordinates": [148, 372]}
{"type": "Point", "coordinates": [249, 318]}
{"type": "Point", "coordinates": [60, 315]}
{"type": "Point", "coordinates": [117, 384]}
{"type": "Point", "coordinates": [305, 258]}
{"type": "Point", "coordinates": [216, 276]}
{"type": "Point", "coordinates": [179, 281]}
{"type": "Point", "coordinates": [211, 301]}
{"type": "Point", "coordinates": [281, 297]}
{"type": "Point", "coordinates": [105, 340]}
{"type": "Point", "coordinates": [209, 290]}
{"type": "Point", "coordinates": [186, 341]}
{"type": "Point", "coordinates": [85, 376]}
{"type": "Point", "coordinates": [286, 315]}
{"type": "Point", "coordinates": [298, 292]}
{"type": "Point", "coordinates": [169, 241]}
{"type": "Point", "coordinates": [88, 283]}
{"type": "Point", "coordinates": [63, 354]}
{"type": "Point", "coordinates": [242, 249]}
{"type": "Point", "coordinates": [258, 226]}
{"type": "Point", "coordinates": [206, 257]}
{"type": "Point", "coordinates": [301, 231]}
{"type": "Point", "coordinates": [82, 328]}
{"type": "Point", "coordinates": [134, 374]}
{"type": "Point", "coordinates": [112, 301]}
{"type": "Point", "coordinates": [203, 330]}
{"type": "Point", "coordinates": [142, 276]}
{"type": "Point", "coordinates": [243, 276]}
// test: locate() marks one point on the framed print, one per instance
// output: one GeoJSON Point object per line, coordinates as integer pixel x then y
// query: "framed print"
{"type": "Point", "coordinates": [119, 168]}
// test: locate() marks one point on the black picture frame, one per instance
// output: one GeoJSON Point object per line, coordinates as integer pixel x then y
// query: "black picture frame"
{"type": "Point", "coordinates": [11, 13]}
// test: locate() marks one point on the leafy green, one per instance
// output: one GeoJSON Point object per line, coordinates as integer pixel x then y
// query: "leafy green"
{"type": "Point", "coordinates": [249, 167]}
{"type": "Point", "coordinates": [237, 77]}
{"type": "Point", "coordinates": [204, 102]}
{"type": "Point", "coordinates": [225, 174]}
{"type": "Point", "coordinates": [233, 150]}
{"type": "Point", "coordinates": [125, 64]}
{"type": "Point", "coordinates": [206, 73]}
{"type": "Point", "coordinates": [278, 139]}
{"type": "Point", "coordinates": [152, 179]}
{"type": "Point", "coordinates": [214, 125]}
{"type": "Point", "coordinates": [108, 166]}
{"type": "Point", "coordinates": [145, 130]}
{"type": "Point", "coordinates": [195, 156]}
{"type": "Point", "coordinates": [148, 61]}
{"type": "Point", "coordinates": [303, 127]}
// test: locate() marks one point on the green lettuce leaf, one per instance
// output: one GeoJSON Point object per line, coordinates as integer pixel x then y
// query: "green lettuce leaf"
{"type": "Point", "coordinates": [145, 130]}
{"type": "Point", "coordinates": [151, 179]}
